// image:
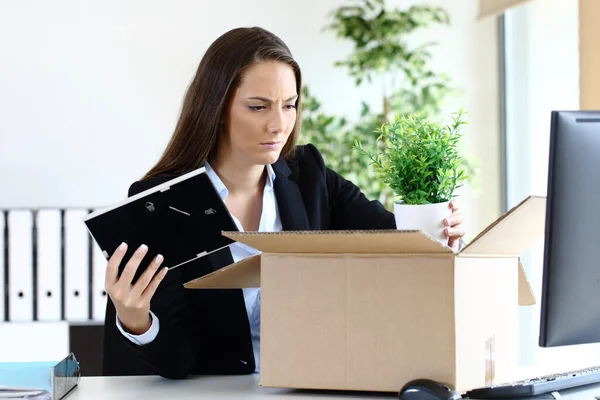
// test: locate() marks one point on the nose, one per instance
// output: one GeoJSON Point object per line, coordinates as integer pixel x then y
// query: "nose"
{"type": "Point", "coordinates": [277, 123]}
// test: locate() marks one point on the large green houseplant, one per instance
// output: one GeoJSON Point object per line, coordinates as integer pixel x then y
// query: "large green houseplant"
{"type": "Point", "coordinates": [419, 160]}
{"type": "Point", "coordinates": [381, 54]}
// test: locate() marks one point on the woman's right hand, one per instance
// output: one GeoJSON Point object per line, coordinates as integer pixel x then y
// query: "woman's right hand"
{"type": "Point", "coordinates": [132, 302]}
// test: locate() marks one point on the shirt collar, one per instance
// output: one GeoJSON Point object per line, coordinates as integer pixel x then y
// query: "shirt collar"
{"type": "Point", "coordinates": [220, 186]}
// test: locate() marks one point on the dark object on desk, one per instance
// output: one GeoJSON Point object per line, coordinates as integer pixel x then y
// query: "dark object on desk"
{"type": "Point", "coordinates": [66, 376]}
{"type": "Point", "coordinates": [427, 389]}
{"type": "Point", "coordinates": [570, 314]}
{"type": "Point", "coordinates": [181, 219]}
{"type": "Point", "coordinates": [539, 385]}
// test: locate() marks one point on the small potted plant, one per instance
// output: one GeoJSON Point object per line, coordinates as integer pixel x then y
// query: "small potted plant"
{"type": "Point", "coordinates": [419, 160]}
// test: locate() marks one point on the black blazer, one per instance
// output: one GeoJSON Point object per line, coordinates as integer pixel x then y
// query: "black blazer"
{"type": "Point", "coordinates": [207, 331]}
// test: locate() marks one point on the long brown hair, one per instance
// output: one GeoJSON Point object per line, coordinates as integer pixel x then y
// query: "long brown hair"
{"type": "Point", "coordinates": [207, 99]}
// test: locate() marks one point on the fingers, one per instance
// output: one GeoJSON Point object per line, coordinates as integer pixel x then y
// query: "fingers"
{"type": "Point", "coordinates": [133, 264]}
{"type": "Point", "coordinates": [146, 277]}
{"type": "Point", "coordinates": [454, 220]}
{"type": "Point", "coordinates": [112, 269]}
{"type": "Point", "coordinates": [454, 244]}
{"type": "Point", "coordinates": [151, 288]}
{"type": "Point", "coordinates": [454, 230]}
{"type": "Point", "coordinates": [132, 302]}
{"type": "Point", "coordinates": [454, 205]}
{"type": "Point", "coordinates": [454, 233]}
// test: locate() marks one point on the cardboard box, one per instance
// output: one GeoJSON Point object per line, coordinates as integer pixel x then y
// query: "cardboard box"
{"type": "Point", "coordinates": [371, 310]}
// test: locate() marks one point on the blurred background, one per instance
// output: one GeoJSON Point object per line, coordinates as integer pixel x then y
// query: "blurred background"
{"type": "Point", "coordinates": [90, 93]}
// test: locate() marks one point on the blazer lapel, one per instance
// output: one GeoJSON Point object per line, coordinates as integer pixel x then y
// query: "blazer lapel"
{"type": "Point", "coordinates": [289, 199]}
{"type": "Point", "coordinates": [291, 211]}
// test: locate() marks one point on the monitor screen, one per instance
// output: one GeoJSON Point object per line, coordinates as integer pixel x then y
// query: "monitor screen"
{"type": "Point", "coordinates": [570, 307]}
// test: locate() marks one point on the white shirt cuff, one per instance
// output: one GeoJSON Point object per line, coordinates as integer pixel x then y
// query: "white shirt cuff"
{"type": "Point", "coordinates": [145, 337]}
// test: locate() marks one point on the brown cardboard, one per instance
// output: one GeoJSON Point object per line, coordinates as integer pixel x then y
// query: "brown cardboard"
{"type": "Point", "coordinates": [372, 310]}
{"type": "Point", "coordinates": [489, 8]}
{"type": "Point", "coordinates": [589, 55]}
{"type": "Point", "coordinates": [486, 321]}
{"type": "Point", "coordinates": [340, 242]}
{"type": "Point", "coordinates": [242, 274]}
{"type": "Point", "coordinates": [526, 296]}
{"type": "Point", "coordinates": [347, 314]}
{"type": "Point", "coordinates": [512, 233]}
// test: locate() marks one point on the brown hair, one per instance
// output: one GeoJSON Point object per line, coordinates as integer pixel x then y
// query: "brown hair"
{"type": "Point", "coordinates": [210, 92]}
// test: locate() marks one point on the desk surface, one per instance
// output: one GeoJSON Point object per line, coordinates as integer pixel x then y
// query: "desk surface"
{"type": "Point", "coordinates": [232, 387]}
{"type": "Point", "coordinates": [201, 387]}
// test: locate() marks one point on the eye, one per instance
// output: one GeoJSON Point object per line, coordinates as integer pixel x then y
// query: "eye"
{"type": "Point", "coordinates": [290, 106]}
{"type": "Point", "coordinates": [256, 108]}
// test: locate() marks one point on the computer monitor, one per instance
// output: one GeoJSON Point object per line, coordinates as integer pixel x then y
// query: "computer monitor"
{"type": "Point", "coordinates": [570, 305]}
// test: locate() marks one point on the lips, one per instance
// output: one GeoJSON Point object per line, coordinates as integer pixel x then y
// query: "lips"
{"type": "Point", "coordinates": [274, 145]}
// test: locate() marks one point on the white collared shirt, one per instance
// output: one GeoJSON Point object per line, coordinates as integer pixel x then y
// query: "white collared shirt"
{"type": "Point", "coordinates": [270, 221]}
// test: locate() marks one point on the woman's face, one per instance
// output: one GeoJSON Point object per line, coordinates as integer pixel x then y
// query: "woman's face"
{"type": "Point", "coordinates": [261, 115]}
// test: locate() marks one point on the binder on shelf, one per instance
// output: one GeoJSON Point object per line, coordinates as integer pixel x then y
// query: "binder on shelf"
{"type": "Point", "coordinates": [49, 245]}
{"type": "Point", "coordinates": [99, 295]}
{"type": "Point", "coordinates": [2, 267]}
{"type": "Point", "coordinates": [20, 265]}
{"type": "Point", "coordinates": [77, 287]}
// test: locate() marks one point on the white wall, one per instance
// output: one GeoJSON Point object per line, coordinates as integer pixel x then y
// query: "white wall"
{"type": "Point", "coordinates": [90, 91]}
{"type": "Point", "coordinates": [542, 75]}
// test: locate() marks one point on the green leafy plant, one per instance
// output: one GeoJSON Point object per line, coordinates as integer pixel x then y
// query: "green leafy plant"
{"type": "Point", "coordinates": [381, 53]}
{"type": "Point", "coordinates": [419, 160]}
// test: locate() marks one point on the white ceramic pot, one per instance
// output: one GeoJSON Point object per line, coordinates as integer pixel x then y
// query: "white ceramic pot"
{"type": "Point", "coordinates": [428, 218]}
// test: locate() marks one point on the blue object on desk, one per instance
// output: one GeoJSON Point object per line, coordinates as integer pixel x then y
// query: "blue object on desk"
{"type": "Point", "coordinates": [58, 379]}
{"type": "Point", "coordinates": [27, 375]}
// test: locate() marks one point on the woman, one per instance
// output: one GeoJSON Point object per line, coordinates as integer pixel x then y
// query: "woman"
{"type": "Point", "coordinates": [240, 119]}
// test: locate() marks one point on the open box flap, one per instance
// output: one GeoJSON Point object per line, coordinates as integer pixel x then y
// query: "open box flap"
{"type": "Point", "coordinates": [246, 274]}
{"type": "Point", "coordinates": [336, 242]}
{"type": "Point", "coordinates": [526, 295]}
{"type": "Point", "coordinates": [242, 274]}
{"type": "Point", "coordinates": [513, 233]}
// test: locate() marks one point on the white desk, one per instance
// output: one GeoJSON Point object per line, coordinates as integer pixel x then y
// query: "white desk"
{"type": "Point", "coordinates": [231, 388]}
{"type": "Point", "coordinates": [204, 387]}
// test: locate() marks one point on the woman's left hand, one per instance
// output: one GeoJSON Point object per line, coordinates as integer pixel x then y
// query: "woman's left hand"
{"type": "Point", "coordinates": [454, 230]}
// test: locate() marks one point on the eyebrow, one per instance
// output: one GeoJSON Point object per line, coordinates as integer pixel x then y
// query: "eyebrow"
{"type": "Point", "coordinates": [294, 97]}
